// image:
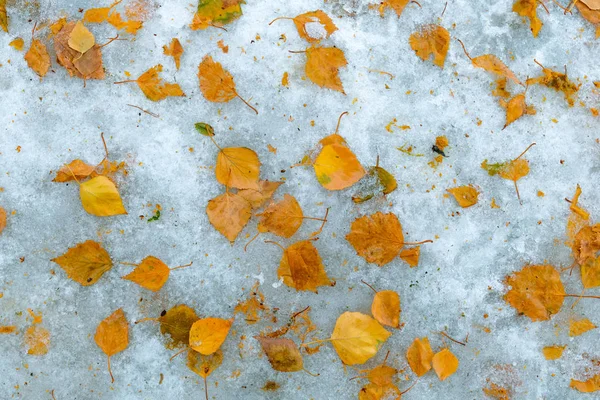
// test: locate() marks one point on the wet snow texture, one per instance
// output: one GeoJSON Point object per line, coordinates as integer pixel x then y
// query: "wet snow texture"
{"type": "Point", "coordinates": [459, 279]}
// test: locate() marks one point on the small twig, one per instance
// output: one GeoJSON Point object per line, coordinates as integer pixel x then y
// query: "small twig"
{"type": "Point", "coordinates": [340, 120]}
{"type": "Point", "coordinates": [417, 3]}
{"type": "Point", "coordinates": [182, 266]}
{"type": "Point", "coordinates": [465, 49]}
{"type": "Point", "coordinates": [297, 51]}
{"type": "Point", "coordinates": [146, 111]}
{"type": "Point", "coordinates": [543, 5]}
{"type": "Point", "coordinates": [454, 340]}
{"type": "Point", "coordinates": [444, 10]}
{"type": "Point", "coordinates": [246, 103]}
{"type": "Point", "coordinates": [104, 143]}
{"type": "Point", "coordinates": [251, 240]}
{"type": "Point", "coordinates": [525, 151]}
{"type": "Point", "coordinates": [300, 312]}
{"type": "Point", "coordinates": [278, 18]}
{"type": "Point", "coordinates": [372, 288]}
{"type": "Point", "coordinates": [275, 243]}
{"type": "Point", "coordinates": [110, 41]}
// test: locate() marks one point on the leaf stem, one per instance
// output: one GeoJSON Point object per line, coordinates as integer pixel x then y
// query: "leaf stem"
{"type": "Point", "coordinates": [372, 288]}
{"type": "Point", "coordinates": [251, 240]}
{"type": "Point", "coordinates": [278, 18]}
{"type": "Point", "coordinates": [246, 103]}
{"type": "Point", "coordinates": [339, 120]}
{"type": "Point", "coordinates": [182, 266]}
{"type": "Point", "coordinates": [454, 340]}
{"type": "Point", "coordinates": [178, 353]}
{"type": "Point", "coordinates": [104, 143]}
{"type": "Point", "coordinates": [416, 243]}
{"type": "Point", "coordinates": [525, 151]}
{"type": "Point", "coordinates": [110, 371]}
{"type": "Point", "coordinates": [126, 81]}
{"type": "Point", "coordinates": [465, 49]}
{"type": "Point", "coordinates": [275, 243]}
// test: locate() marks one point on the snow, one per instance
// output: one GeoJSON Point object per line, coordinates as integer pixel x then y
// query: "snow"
{"type": "Point", "coordinates": [459, 278]}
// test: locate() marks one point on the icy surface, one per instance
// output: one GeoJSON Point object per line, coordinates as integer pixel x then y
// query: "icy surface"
{"type": "Point", "coordinates": [459, 279]}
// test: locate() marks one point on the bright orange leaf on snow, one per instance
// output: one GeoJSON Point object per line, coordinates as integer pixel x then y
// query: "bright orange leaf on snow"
{"type": "Point", "coordinates": [589, 386]}
{"type": "Point", "coordinates": [2, 219]}
{"type": "Point", "coordinates": [301, 267]}
{"type": "Point", "coordinates": [579, 327]}
{"type": "Point", "coordinates": [553, 352]}
{"type": "Point", "coordinates": [493, 64]}
{"type": "Point", "coordinates": [175, 50]}
{"type": "Point", "coordinates": [208, 334]}
{"type": "Point", "coordinates": [431, 40]}
{"type": "Point", "coordinates": [153, 86]}
{"type": "Point", "coordinates": [17, 44]}
{"type": "Point", "coordinates": [238, 167]}
{"type": "Point", "coordinates": [151, 273]}
{"type": "Point", "coordinates": [411, 256]}
{"type": "Point", "coordinates": [283, 353]}
{"type": "Point", "coordinates": [528, 9]}
{"type": "Point", "coordinates": [282, 218]}
{"type": "Point", "coordinates": [112, 336]}
{"type": "Point", "coordinates": [381, 385]}
{"type": "Point", "coordinates": [396, 5]}
{"type": "Point", "coordinates": [466, 196]}
{"type": "Point", "coordinates": [536, 291]}
{"type": "Point", "coordinates": [313, 26]}
{"type": "Point", "coordinates": [444, 364]}
{"type": "Point", "coordinates": [322, 67]}
{"type": "Point", "coordinates": [419, 356]}
{"type": "Point", "coordinates": [85, 263]}
{"type": "Point", "coordinates": [516, 107]}
{"type": "Point", "coordinates": [37, 58]}
{"type": "Point", "coordinates": [357, 337]}
{"type": "Point", "coordinates": [586, 244]}
{"type": "Point", "coordinates": [386, 308]}
{"type": "Point", "coordinates": [75, 170]}
{"type": "Point", "coordinates": [229, 213]}
{"type": "Point", "coordinates": [216, 83]}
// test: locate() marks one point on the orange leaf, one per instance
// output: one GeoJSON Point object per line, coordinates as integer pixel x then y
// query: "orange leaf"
{"type": "Point", "coordinates": [322, 66]}
{"type": "Point", "coordinates": [411, 256]}
{"type": "Point", "coordinates": [85, 263]}
{"type": "Point", "coordinates": [466, 196]}
{"type": "Point", "coordinates": [559, 82]}
{"type": "Point", "coordinates": [117, 21]}
{"type": "Point", "coordinates": [580, 327]}
{"type": "Point", "coordinates": [553, 352]}
{"type": "Point", "coordinates": [589, 386]}
{"type": "Point", "coordinates": [2, 219]}
{"type": "Point", "coordinates": [301, 267]}
{"type": "Point", "coordinates": [151, 274]}
{"type": "Point", "coordinates": [590, 273]}
{"type": "Point", "coordinates": [153, 86]}
{"type": "Point", "coordinates": [3, 16]}
{"type": "Point", "coordinates": [336, 166]}
{"type": "Point", "coordinates": [419, 356]}
{"type": "Point", "coordinates": [112, 335]}
{"type": "Point", "coordinates": [37, 340]}
{"type": "Point", "coordinates": [96, 15]}
{"type": "Point", "coordinates": [377, 238]}
{"type": "Point", "coordinates": [444, 363]}
{"type": "Point", "coordinates": [238, 167]}
{"type": "Point", "coordinates": [282, 218]}
{"type": "Point", "coordinates": [75, 170]}
{"type": "Point", "coordinates": [208, 334]}
{"type": "Point", "coordinates": [386, 308]}
{"type": "Point", "coordinates": [37, 58]}
{"type": "Point", "coordinates": [204, 365]}
{"type": "Point", "coordinates": [175, 50]}
{"type": "Point", "coordinates": [431, 40]}
{"type": "Point", "coordinates": [228, 214]}
{"type": "Point", "coordinates": [528, 9]}
{"type": "Point", "coordinates": [536, 291]}
{"type": "Point", "coordinates": [396, 5]}
{"type": "Point", "coordinates": [516, 108]}
{"type": "Point", "coordinates": [85, 66]}
{"type": "Point", "coordinates": [257, 197]}
{"type": "Point", "coordinates": [586, 244]}
{"type": "Point", "coordinates": [492, 64]}
{"type": "Point", "coordinates": [283, 353]}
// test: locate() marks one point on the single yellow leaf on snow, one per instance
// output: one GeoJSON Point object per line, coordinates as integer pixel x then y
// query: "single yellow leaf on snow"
{"type": "Point", "coordinates": [377, 238]}
{"type": "Point", "coordinates": [153, 86]}
{"type": "Point", "coordinates": [17, 44]}
{"type": "Point", "coordinates": [386, 308]}
{"type": "Point", "coordinates": [283, 354]}
{"type": "Point", "coordinates": [3, 16]}
{"type": "Point", "coordinates": [536, 291]}
{"type": "Point", "coordinates": [112, 335]}
{"type": "Point", "coordinates": [419, 356]}
{"type": "Point", "coordinates": [301, 267]}
{"type": "Point", "coordinates": [85, 263]}
{"type": "Point", "coordinates": [357, 337]}
{"type": "Point", "coordinates": [175, 50]}
{"type": "Point", "coordinates": [336, 166]}
{"type": "Point", "coordinates": [444, 364]}
{"type": "Point", "coordinates": [589, 386]}
{"type": "Point", "coordinates": [528, 9]}
{"type": "Point", "coordinates": [151, 274]}
{"type": "Point", "coordinates": [208, 334]}
{"type": "Point", "coordinates": [229, 213]}
{"type": "Point", "coordinates": [396, 5]}
{"type": "Point", "coordinates": [99, 196]}
{"type": "Point", "coordinates": [431, 40]}
{"type": "Point", "coordinates": [80, 38]}
{"type": "Point", "coordinates": [580, 327]}
{"type": "Point", "coordinates": [516, 108]}
{"type": "Point", "coordinates": [283, 218]}
{"type": "Point", "coordinates": [37, 58]}
{"type": "Point", "coordinates": [322, 66]}
{"type": "Point", "coordinates": [466, 196]}
{"type": "Point", "coordinates": [238, 167]}
{"type": "Point", "coordinates": [553, 352]}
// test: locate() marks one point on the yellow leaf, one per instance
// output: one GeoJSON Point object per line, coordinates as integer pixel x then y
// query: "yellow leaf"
{"type": "Point", "coordinates": [257, 197]}
{"type": "Point", "coordinates": [396, 5]}
{"type": "Point", "coordinates": [431, 40]}
{"type": "Point", "coordinates": [322, 66]}
{"type": "Point", "coordinates": [2, 219]}
{"type": "Point", "coordinates": [301, 267]}
{"type": "Point", "coordinates": [516, 108]}
{"type": "Point", "coordinates": [175, 50]}
{"type": "Point", "coordinates": [81, 39]}
{"type": "Point", "coordinates": [238, 167]}
{"type": "Point", "coordinates": [112, 335]}
{"type": "Point", "coordinates": [151, 274]}
{"type": "Point", "coordinates": [386, 308]}
{"type": "Point", "coordinates": [386, 180]}
{"type": "Point", "coordinates": [411, 255]}
{"type": "Point", "coordinates": [85, 263]}
{"type": "Point", "coordinates": [283, 218]}
{"type": "Point", "coordinates": [216, 13]}
{"type": "Point", "coordinates": [536, 291]}
{"type": "Point", "coordinates": [177, 323]}
{"type": "Point", "coordinates": [283, 353]}
{"type": "Point", "coordinates": [3, 16]}
{"type": "Point", "coordinates": [208, 334]}
{"type": "Point", "coordinates": [589, 386]}
{"type": "Point", "coordinates": [99, 196]}
{"type": "Point", "coordinates": [336, 166]}
{"type": "Point", "coordinates": [553, 352]}
{"type": "Point", "coordinates": [228, 214]}
{"type": "Point", "coordinates": [466, 196]}
{"type": "Point", "coordinates": [590, 273]}
{"type": "Point", "coordinates": [357, 337]}
{"type": "Point", "coordinates": [153, 86]}
{"type": "Point", "coordinates": [419, 356]}
{"type": "Point", "coordinates": [37, 58]}
{"type": "Point", "coordinates": [17, 44]}
{"type": "Point", "coordinates": [580, 327]}
{"type": "Point", "coordinates": [96, 15]}
{"type": "Point", "coordinates": [444, 363]}
{"type": "Point", "coordinates": [528, 9]}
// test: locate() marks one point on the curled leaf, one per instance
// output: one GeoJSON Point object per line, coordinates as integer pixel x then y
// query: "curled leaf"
{"type": "Point", "coordinates": [175, 50]}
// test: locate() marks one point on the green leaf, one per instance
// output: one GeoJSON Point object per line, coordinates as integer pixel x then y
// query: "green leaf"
{"type": "Point", "coordinates": [204, 129]}
{"type": "Point", "coordinates": [492, 169]}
